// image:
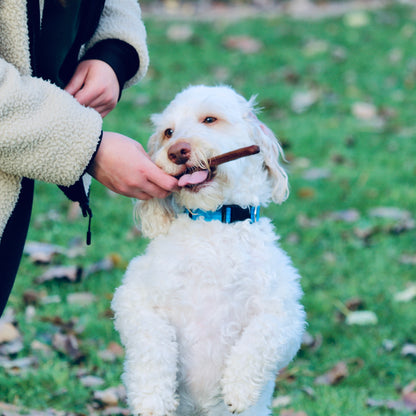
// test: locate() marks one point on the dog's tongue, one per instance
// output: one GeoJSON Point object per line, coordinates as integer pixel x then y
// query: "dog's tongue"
{"type": "Point", "coordinates": [193, 178]}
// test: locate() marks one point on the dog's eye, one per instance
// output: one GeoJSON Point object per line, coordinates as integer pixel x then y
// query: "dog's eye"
{"type": "Point", "coordinates": [209, 120]}
{"type": "Point", "coordinates": [168, 133]}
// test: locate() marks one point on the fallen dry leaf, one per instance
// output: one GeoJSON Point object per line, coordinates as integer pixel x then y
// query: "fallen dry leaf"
{"type": "Point", "coordinates": [406, 295]}
{"type": "Point", "coordinates": [17, 364]}
{"type": "Point", "coordinates": [392, 213]}
{"type": "Point", "coordinates": [350, 306]}
{"type": "Point", "coordinates": [389, 345]}
{"type": "Point", "coordinates": [301, 163]}
{"type": "Point", "coordinates": [180, 33]}
{"type": "Point", "coordinates": [347, 215]}
{"type": "Point", "coordinates": [306, 193]}
{"type": "Point", "coordinates": [315, 47]}
{"type": "Point", "coordinates": [408, 259]}
{"type": "Point", "coordinates": [356, 18]}
{"type": "Point", "coordinates": [81, 298]}
{"type": "Point", "coordinates": [281, 401]}
{"type": "Point", "coordinates": [42, 253]}
{"type": "Point", "coordinates": [115, 410]}
{"type": "Point", "coordinates": [91, 381]}
{"type": "Point", "coordinates": [387, 404]}
{"type": "Point", "coordinates": [365, 233]}
{"type": "Point", "coordinates": [305, 222]}
{"type": "Point", "coordinates": [309, 391]}
{"type": "Point", "coordinates": [11, 340]}
{"type": "Point", "coordinates": [40, 347]}
{"type": "Point", "coordinates": [335, 375]}
{"type": "Point", "coordinates": [47, 300]}
{"type": "Point", "coordinates": [361, 318]}
{"type": "Point", "coordinates": [68, 273]}
{"type": "Point", "coordinates": [364, 111]}
{"type": "Point", "coordinates": [112, 352]}
{"type": "Point", "coordinates": [354, 304]}
{"type": "Point", "coordinates": [408, 349]}
{"type": "Point", "coordinates": [12, 347]}
{"type": "Point", "coordinates": [67, 344]}
{"type": "Point", "coordinates": [30, 313]}
{"type": "Point", "coordinates": [106, 264]}
{"type": "Point", "coordinates": [313, 343]}
{"type": "Point", "coordinates": [291, 76]}
{"type": "Point", "coordinates": [302, 100]}
{"type": "Point", "coordinates": [65, 326]}
{"type": "Point", "coordinates": [400, 222]}
{"type": "Point", "coordinates": [407, 402]}
{"type": "Point", "coordinates": [7, 409]}
{"type": "Point", "coordinates": [314, 174]}
{"type": "Point", "coordinates": [291, 412]}
{"type": "Point", "coordinates": [339, 54]}
{"type": "Point", "coordinates": [8, 332]}
{"type": "Point", "coordinates": [409, 396]}
{"type": "Point", "coordinates": [244, 44]}
{"type": "Point", "coordinates": [33, 297]}
{"type": "Point", "coordinates": [110, 396]}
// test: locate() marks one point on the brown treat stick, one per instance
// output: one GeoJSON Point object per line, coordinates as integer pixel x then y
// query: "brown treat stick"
{"type": "Point", "coordinates": [233, 155]}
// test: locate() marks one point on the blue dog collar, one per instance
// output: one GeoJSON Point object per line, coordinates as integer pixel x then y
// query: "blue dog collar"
{"type": "Point", "coordinates": [226, 214]}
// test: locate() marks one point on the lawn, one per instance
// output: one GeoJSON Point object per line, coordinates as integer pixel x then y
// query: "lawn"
{"type": "Point", "coordinates": [340, 93]}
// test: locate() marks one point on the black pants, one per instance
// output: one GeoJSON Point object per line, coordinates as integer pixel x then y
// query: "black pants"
{"type": "Point", "coordinates": [13, 241]}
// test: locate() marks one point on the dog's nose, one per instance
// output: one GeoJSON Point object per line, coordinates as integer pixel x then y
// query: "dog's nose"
{"type": "Point", "coordinates": [179, 152]}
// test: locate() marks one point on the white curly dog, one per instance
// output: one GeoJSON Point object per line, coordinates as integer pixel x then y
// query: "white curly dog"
{"type": "Point", "coordinates": [211, 311]}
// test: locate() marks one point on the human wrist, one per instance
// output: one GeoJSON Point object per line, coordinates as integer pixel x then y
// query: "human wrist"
{"type": "Point", "coordinates": [90, 167]}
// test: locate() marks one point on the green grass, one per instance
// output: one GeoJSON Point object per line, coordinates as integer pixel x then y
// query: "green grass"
{"type": "Point", "coordinates": [369, 165]}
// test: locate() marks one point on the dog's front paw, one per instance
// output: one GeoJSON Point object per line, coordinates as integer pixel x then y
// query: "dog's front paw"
{"type": "Point", "coordinates": [239, 396]}
{"type": "Point", "coordinates": [153, 405]}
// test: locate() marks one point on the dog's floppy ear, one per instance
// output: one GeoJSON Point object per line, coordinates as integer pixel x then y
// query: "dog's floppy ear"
{"type": "Point", "coordinates": [154, 216]}
{"type": "Point", "coordinates": [271, 151]}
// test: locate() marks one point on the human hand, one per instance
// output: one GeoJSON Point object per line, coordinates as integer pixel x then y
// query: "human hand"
{"type": "Point", "coordinates": [94, 84]}
{"type": "Point", "coordinates": [122, 165]}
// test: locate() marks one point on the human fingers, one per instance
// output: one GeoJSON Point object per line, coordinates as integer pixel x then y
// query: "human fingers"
{"type": "Point", "coordinates": [77, 80]}
{"type": "Point", "coordinates": [101, 88]}
{"type": "Point", "coordinates": [89, 93]}
{"type": "Point", "coordinates": [94, 96]}
{"type": "Point", "coordinates": [158, 178]}
{"type": "Point", "coordinates": [149, 191]}
{"type": "Point", "coordinates": [103, 109]}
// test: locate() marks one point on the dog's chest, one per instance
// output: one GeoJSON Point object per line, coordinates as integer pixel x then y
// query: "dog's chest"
{"type": "Point", "coordinates": [210, 272]}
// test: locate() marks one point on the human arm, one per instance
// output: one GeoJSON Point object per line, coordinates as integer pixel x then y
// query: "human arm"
{"type": "Point", "coordinates": [45, 133]}
{"type": "Point", "coordinates": [116, 55]}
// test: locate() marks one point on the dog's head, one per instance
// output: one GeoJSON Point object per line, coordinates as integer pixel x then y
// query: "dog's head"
{"type": "Point", "coordinates": [200, 123]}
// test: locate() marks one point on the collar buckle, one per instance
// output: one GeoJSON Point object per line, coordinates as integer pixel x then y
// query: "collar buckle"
{"type": "Point", "coordinates": [227, 214]}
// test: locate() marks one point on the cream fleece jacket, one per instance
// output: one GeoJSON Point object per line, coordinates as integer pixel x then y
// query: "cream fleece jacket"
{"type": "Point", "coordinates": [45, 134]}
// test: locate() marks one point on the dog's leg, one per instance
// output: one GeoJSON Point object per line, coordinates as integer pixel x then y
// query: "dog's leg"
{"type": "Point", "coordinates": [267, 344]}
{"type": "Point", "coordinates": [151, 356]}
{"type": "Point", "coordinates": [263, 405]}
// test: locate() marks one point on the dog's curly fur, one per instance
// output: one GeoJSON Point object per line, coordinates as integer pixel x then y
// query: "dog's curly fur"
{"type": "Point", "coordinates": [211, 311]}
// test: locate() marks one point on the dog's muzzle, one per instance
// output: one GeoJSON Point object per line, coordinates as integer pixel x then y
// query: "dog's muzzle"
{"type": "Point", "coordinates": [180, 152]}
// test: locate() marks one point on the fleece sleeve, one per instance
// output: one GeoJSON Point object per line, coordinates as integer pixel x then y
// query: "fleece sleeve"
{"type": "Point", "coordinates": [121, 19]}
{"type": "Point", "coordinates": [45, 134]}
